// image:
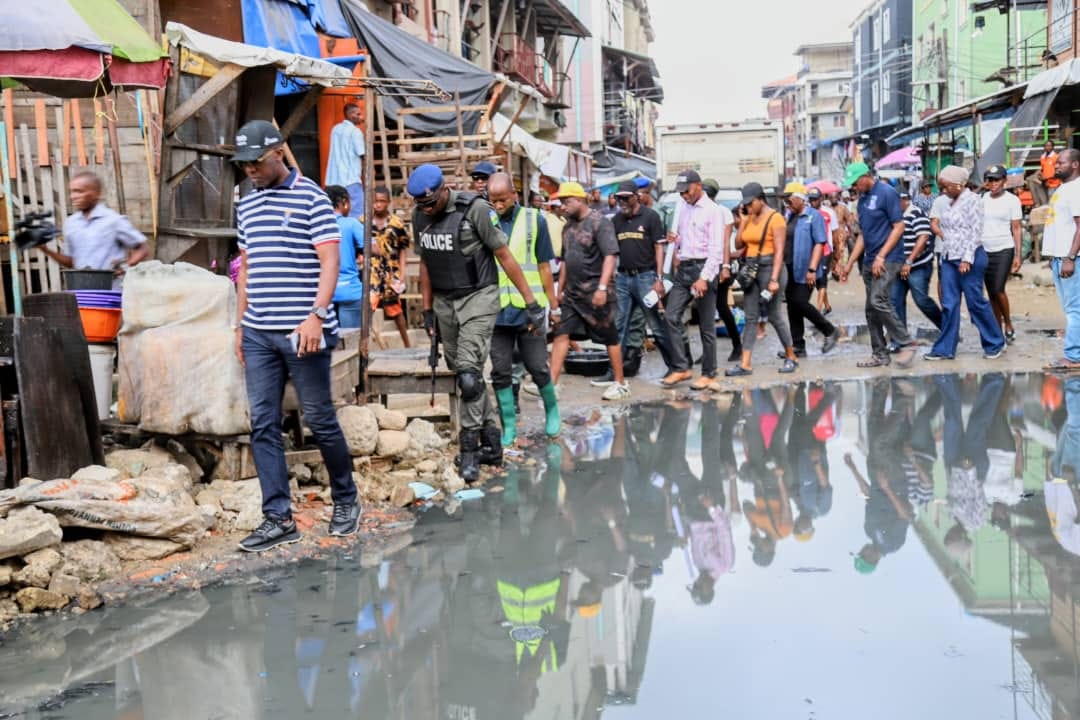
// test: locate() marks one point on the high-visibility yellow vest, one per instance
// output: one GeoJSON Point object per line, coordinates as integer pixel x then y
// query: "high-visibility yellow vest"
{"type": "Point", "coordinates": [523, 248]}
{"type": "Point", "coordinates": [524, 609]}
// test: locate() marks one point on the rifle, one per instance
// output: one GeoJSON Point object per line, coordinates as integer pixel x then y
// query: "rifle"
{"type": "Point", "coordinates": [433, 360]}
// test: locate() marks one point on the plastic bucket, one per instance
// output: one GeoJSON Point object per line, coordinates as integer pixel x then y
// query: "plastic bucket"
{"type": "Point", "coordinates": [102, 358]}
{"type": "Point", "coordinates": [101, 325]}
{"type": "Point", "coordinates": [87, 279]}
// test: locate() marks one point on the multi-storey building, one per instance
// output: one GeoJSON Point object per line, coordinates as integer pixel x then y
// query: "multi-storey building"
{"type": "Point", "coordinates": [881, 85]}
{"type": "Point", "coordinates": [781, 99]}
{"type": "Point", "coordinates": [963, 51]}
{"type": "Point", "coordinates": [822, 107]}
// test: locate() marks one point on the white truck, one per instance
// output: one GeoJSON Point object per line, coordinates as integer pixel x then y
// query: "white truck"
{"type": "Point", "coordinates": [732, 153]}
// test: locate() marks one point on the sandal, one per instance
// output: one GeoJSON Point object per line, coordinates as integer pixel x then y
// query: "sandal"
{"type": "Point", "coordinates": [874, 362]}
{"type": "Point", "coordinates": [1062, 366]}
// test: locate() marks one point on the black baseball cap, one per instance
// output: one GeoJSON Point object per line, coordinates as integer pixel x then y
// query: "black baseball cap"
{"type": "Point", "coordinates": [814, 194]}
{"type": "Point", "coordinates": [254, 138]}
{"type": "Point", "coordinates": [685, 180]}
{"type": "Point", "coordinates": [995, 172]}
{"type": "Point", "coordinates": [627, 187]}
{"type": "Point", "coordinates": [752, 191]}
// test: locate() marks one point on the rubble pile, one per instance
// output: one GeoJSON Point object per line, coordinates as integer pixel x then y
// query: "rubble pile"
{"type": "Point", "coordinates": [59, 538]}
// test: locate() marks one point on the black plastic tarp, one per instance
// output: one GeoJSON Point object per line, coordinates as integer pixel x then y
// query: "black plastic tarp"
{"type": "Point", "coordinates": [1027, 127]}
{"type": "Point", "coordinates": [396, 54]}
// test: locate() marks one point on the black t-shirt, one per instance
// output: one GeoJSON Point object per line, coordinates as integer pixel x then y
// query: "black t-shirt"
{"type": "Point", "coordinates": [586, 243]}
{"type": "Point", "coordinates": [789, 242]}
{"type": "Point", "coordinates": [638, 237]}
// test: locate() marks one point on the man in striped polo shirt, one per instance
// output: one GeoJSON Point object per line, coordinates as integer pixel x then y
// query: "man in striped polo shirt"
{"type": "Point", "coordinates": [918, 265]}
{"type": "Point", "coordinates": [288, 238]}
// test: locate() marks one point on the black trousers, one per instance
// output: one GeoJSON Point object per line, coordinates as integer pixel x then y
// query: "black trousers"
{"type": "Point", "coordinates": [726, 315]}
{"type": "Point", "coordinates": [800, 309]}
{"type": "Point", "coordinates": [531, 348]}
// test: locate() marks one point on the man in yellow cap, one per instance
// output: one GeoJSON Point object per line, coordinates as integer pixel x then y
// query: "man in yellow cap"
{"type": "Point", "coordinates": [590, 253]}
{"type": "Point", "coordinates": [803, 254]}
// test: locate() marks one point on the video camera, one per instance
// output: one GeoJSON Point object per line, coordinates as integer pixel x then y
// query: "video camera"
{"type": "Point", "coordinates": [34, 229]}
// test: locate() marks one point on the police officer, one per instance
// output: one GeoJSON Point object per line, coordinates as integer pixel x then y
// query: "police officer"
{"type": "Point", "coordinates": [459, 240]}
{"type": "Point", "coordinates": [530, 244]}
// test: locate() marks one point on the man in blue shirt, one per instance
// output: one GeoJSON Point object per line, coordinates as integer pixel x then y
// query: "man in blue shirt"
{"type": "Point", "coordinates": [345, 161]}
{"type": "Point", "coordinates": [530, 243]}
{"type": "Point", "coordinates": [882, 223]}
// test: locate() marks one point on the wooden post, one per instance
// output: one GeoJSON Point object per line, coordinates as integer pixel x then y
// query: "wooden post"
{"type": "Point", "coordinates": [381, 119]}
{"type": "Point", "coordinates": [80, 141]}
{"type": "Point", "coordinates": [41, 122]}
{"type": "Point", "coordinates": [114, 141]}
{"type": "Point", "coordinates": [9, 125]}
{"type": "Point", "coordinates": [462, 167]}
{"type": "Point", "coordinates": [365, 272]}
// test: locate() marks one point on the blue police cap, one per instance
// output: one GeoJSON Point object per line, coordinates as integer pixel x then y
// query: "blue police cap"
{"type": "Point", "coordinates": [642, 182]}
{"type": "Point", "coordinates": [484, 168]}
{"type": "Point", "coordinates": [425, 181]}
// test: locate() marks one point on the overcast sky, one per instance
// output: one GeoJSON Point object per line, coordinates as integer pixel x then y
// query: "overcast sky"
{"type": "Point", "coordinates": [714, 56]}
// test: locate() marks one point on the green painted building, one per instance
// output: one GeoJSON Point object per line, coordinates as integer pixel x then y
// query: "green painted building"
{"type": "Point", "coordinates": [962, 50]}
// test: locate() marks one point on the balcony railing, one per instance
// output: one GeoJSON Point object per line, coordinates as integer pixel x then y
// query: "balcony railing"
{"type": "Point", "coordinates": [562, 91]}
{"type": "Point", "coordinates": [518, 60]}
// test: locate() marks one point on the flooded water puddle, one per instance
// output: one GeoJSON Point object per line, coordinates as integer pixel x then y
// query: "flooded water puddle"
{"type": "Point", "coordinates": [886, 549]}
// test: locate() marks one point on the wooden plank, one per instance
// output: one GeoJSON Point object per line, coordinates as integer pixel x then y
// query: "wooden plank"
{"type": "Point", "coordinates": [43, 260]}
{"type": "Point", "coordinates": [30, 204]}
{"type": "Point", "coordinates": [99, 136]}
{"type": "Point", "coordinates": [198, 99]}
{"type": "Point", "coordinates": [50, 403]}
{"type": "Point", "coordinates": [9, 123]}
{"type": "Point", "coordinates": [63, 130]}
{"type": "Point", "coordinates": [462, 169]}
{"type": "Point", "coordinates": [41, 127]}
{"type": "Point", "coordinates": [517, 114]}
{"type": "Point", "coordinates": [381, 119]}
{"type": "Point", "coordinates": [442, 139]}
{"type": "Point", "coordinates": [80, 141]}
{"type": "Point", "coordinates": [447, 109]}
{"type": "Point", "coordinates": [114, 143]}
{"type": "Point", "coordinates": [301, 111]}
{"type": "Point", "coordinates": [60, 185]}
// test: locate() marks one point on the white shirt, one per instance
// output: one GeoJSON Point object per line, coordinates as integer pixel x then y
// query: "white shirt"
{"type": "Point", "coordinates": [938, 208]}
{"type": "Point", "coordinates": [833, 223]}
{"type": "Point", "coordinates": [1061, 224]}
{"type": "Point", "coordinates": [998, 215]}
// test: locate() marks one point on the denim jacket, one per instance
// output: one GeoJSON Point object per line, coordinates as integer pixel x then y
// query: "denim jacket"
{"type": "Point", "coordinates": [809, 231]}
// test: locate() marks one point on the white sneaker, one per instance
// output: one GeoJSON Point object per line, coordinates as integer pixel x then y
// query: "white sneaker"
{"type": "Point", "coordinates": [529, 388]}
{"type": "Point", "coordinates": [617, 391]}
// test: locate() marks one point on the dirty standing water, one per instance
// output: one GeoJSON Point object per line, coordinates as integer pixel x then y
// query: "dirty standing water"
{"type": "Point", "coordinates": [887, 549]}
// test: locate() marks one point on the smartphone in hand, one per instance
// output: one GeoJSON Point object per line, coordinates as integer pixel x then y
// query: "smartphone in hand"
{"type": "Point", "coordinates": [294, 340]}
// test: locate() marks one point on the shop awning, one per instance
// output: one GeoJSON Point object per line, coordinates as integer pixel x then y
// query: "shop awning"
{"type": "Point", "coordinates": [995, 104]}
{"type": "Point", "coordinates": [642, 75]}
{"type": "Point", "coordinates": [1024, 127]}
{"type": "Point", "coordinates": [1054, 79]}
{"type": "Point", "coordinates": [308, 69]}
{"type": "Point", "coordinates": [397, 54]}
{"type": "Point", "coordinates": [613, 163]}
{"type": "Point", "coordinates": [77, 48]}
{"type": "Point", "coordinates": [553, 16]}
{"type": "Point", "coordinates": [550, 158]}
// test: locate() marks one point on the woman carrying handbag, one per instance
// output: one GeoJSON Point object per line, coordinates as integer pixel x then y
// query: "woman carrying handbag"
{"type": "Point", "coordinates": [762, 231]}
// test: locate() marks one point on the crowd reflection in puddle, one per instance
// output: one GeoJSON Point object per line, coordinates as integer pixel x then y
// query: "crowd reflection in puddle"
{"type": "Point", "coordinates": [540, 601]}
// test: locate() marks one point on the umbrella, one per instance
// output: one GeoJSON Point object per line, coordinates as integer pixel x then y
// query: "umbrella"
{"type": "Point", "coordinates": [903, 157]}
{"type": "Point", "coordinates": [77, 48]}
{"type": "Point", "coordinates": [827, 187]}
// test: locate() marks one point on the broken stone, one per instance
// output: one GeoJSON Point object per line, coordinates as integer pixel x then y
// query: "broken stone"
{"type": "Point", "coordinates": [245, 499]}
{"type": "Point", "coordinates": [33, 576]}
{"type": "Point", "coordinates": [171, 474]}
{"type": "Point", "coordinates": [47, 558]}
{"type": "Point", "coordinates": [97, 473]}
{"type": "Point", "coordinates": [33, 599]}
{"type": "Point", "coordinates": [424, 440]}
{"type": "Point", "coordinates": [27, 529]}
{"type": "Point", "coordinates": [402, 496]}
{"type": "Point", "coordinates": [392, 443]}
{"type": "Point", "coordinates": [398, 478]}
{"type": "Point", "coordinates": [133, 463]}
{"type": "Point", "coordinates": [62, 584]}
{"type": "Point", "coordinates": [8, 610]}
{"type": "Point", "coordinates": [301, 472]}
{"type": "Point", "coordinates": [451, 481]}
{"type": "Point", "coordinates": [209, 498]}
{"type": "Point", "coordinates": [390, 419]}
{"type": "Point", "coordinates": [6, 571]}
{"type": "Point", "coordinates": [427, 467]}
{"type": "Point", "coordinates": [89, 560]}
{"type": "Point", "coordinates": [130, 547]}
{"type": "Point", "coordinates": [87, 598]}
{"type": "Point", "coordinates": [321, 476]}
{"type": "Point", "coordinates": [361, 429]}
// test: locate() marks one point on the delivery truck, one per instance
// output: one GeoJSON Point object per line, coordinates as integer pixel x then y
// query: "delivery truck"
{"type": "Point", "coordinates": [732, 153]}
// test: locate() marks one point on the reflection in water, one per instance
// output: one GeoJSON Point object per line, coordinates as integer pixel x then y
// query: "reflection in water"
{"type": "Point", "coordinates": [789, 552]}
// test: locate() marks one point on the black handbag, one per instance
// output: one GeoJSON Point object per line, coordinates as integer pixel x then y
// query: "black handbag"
{"type": "Point", "coordinates": [748, 268]}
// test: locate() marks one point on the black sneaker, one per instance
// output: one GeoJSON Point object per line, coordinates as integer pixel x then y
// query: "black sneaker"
{"type": "Point", "coordinates": [345, 520]}
{"type": "Point", "coordinates": [781, 355]}
{"type": "Point", "coordinates": [271, 533]}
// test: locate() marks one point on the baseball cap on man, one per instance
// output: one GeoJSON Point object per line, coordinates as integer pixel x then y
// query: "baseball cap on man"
{"type": "Point", "coordinates": [795, 189]}
{"type": "Point", "coordinates": [685, 180]}
{"type": "Point", "coordinates": [570, 189]}
{"type": "Point", "coordinates": [254, 138]}
{"type": "Point", "coordinates": [626, 187]}
{"type": "Point", "coordinates": [854, 171]}
{"type": "Point", "coordinates": [995, 172]}
{"type": "Point", "coordinates": [424, 182]}
{"type": "Point", "coordinates": [642, 183]}
{"type": "Point", "coordinates": [814, 194]}
{"type": "Point", "coordinates": [484, 168]}
{"type": "Point", "coordinates": [752, 191]}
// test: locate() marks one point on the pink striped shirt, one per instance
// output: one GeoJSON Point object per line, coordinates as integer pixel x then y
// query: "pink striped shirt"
{"type": "Point", "coordinates": [701, 234]}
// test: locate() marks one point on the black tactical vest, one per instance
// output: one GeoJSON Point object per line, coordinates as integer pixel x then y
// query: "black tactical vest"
{"type": "Point", "coordinates": [441, 240]}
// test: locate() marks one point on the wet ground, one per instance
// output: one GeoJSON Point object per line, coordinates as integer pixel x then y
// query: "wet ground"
{"type": "Point", "coordinates": [890, 548]}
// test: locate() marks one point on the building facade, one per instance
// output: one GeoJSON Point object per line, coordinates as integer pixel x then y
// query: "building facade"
{"type": "Point", "coordinates": [780, 97]}
{"type": "Point", "coordinates": [822, 108]}
{"type": "Point", "coordinates": [881, 85]}
{"type": "Point", "coordinates": [964, 51]}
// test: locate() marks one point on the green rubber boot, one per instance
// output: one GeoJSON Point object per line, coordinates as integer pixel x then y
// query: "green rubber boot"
{"type": "Point", "coordinates": [552, 422]}
{"type": "Point", "coordinates": [505, 398]}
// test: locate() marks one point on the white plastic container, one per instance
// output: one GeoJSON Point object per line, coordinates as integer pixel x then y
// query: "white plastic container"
{"type": "Point", "coordinates": [102, 358]}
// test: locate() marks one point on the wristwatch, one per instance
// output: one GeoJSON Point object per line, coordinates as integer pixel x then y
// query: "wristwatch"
{"type": "Point", "coordinates": [320, 312]}
{"type": "Point", "coordinates": [813, 269]}
{"type": "Point", "coordinates": [1071, 258]}
{"type": "Point", "coordinates": [601, 287]}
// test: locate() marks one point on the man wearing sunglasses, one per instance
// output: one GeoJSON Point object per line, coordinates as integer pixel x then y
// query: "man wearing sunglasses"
{"type": "Point", "coordinates": [459, 240]}
{"type": "Point", "coordinates": [480, 175]}
{"type": "Point", "coordinates": [288, 236]}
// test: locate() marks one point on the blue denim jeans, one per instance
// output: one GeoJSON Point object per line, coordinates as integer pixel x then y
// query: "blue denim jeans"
{"type": "Point", "coordinates": [270, 361]}
{"type": "Point", "coordinates": [969, 288]}
{"type": "Point", "coordinates": [350, 314]}
{"type": "Point", "coordinates": [356, 198]}
{"type": "Point", "coordinates": [918, 283]}
{"type": "Point", "coordinates": [629, 293]}
{"type": "Point", "coordinates": [1069, 296]}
